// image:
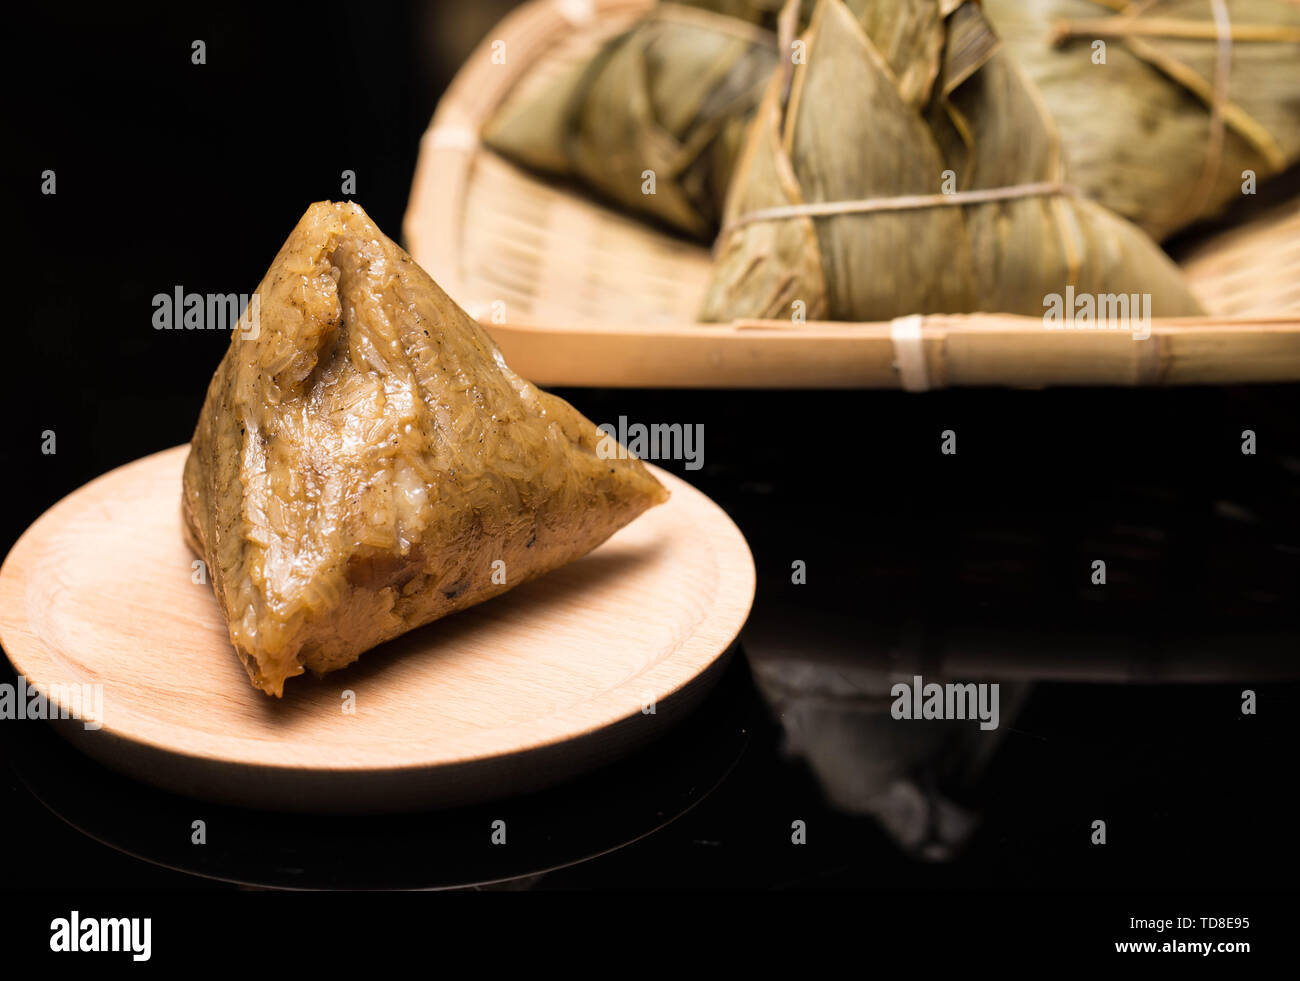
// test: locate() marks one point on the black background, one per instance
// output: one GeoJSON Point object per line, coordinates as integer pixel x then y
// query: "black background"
{"type": "Point", "coordinates": [175, 174]}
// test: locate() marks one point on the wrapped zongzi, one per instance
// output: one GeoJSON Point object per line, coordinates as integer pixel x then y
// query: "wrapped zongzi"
{"type": "Point", "coordinates": [1166, 110]}
{"type": "Point", "coordinates": [900, 164]}
{"type": "Point", "coordinates": [654, 121]}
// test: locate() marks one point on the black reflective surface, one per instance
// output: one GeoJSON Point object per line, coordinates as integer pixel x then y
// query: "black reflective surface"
{"type": "Point", "coordinates": [1121, 702]}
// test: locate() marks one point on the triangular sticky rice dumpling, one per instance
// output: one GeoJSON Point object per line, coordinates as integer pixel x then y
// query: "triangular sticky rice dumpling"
{"type": "Point", "coordinates": [1132, 88]}
{"type": "Point", "coordinates": [365, 462]}
{"type": "Point", "coordinates": [653, 120]}
{"type": "Point", "coordinates": [899, 101]}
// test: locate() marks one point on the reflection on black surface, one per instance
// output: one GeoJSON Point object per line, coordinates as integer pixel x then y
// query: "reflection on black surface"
{"type": "Point", "coordinates": [1119, 701]}
{"type": "Point", "coordinates": [837, 719]}
{"type": "Point", "coordinates": [834, 708]}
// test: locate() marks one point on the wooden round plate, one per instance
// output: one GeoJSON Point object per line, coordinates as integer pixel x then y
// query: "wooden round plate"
{"type": "Point", "coordinates": [554, 678]}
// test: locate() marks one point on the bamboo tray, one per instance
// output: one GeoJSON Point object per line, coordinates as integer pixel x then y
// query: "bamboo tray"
{"type": "Point", "coordinates": [577, 294]}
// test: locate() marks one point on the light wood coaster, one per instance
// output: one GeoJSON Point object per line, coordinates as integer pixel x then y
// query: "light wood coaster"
{"type": "Point", "coordinates": [563, 674]}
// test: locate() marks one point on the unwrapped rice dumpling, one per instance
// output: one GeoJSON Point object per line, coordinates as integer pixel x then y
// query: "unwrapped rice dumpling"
{"type": "Point", "coordinates": [904, 165]}
{"type": "Point", "coordinates": [654, 121]}
{"type": "Point", "coordinates": [365, 462]}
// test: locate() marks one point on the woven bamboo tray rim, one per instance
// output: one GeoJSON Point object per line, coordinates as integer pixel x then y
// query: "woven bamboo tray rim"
{"type": "Point", "coordinates": [576, 293]}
